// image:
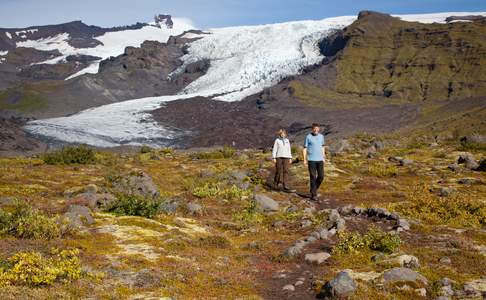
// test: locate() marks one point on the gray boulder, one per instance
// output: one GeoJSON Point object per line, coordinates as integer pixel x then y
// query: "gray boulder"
{"type": "Point", "coordinates": [79, 215]}
{"type": "Point", "coordinates": [403, 275]}
{"type": "Point", "coordinates": [137, 183]}
{"type": "Point", "coordinates": [340, 286]}
{"type": "Point", "coordinates": [265, 203]}
{"type": "Point", "coordinates": [194, 209]}
{"type": "Point", "coordinates": [340, 147]}
{"type": "Point", "coordinates": [468, 160]}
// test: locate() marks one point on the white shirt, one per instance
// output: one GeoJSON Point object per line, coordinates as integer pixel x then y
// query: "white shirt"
{"type": "Point", "coordinates": [281, 148]}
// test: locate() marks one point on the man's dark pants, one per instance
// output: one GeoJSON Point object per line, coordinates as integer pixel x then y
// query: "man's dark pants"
{"type": "Point", "coordinates": [316, 173]}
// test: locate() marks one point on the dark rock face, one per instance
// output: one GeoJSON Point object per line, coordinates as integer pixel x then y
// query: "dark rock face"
{"type": "Point", "coordinates": [164, 20]}
{"type": "Point", "coordinates": [13, 138]}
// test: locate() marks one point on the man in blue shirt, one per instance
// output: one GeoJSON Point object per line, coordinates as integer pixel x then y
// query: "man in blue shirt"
{"type": "Point", "coordinates": [314, 159]}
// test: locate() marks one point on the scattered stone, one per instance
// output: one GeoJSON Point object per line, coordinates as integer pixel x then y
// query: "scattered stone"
{"type": "Point", "coordinates": [421, 292]}
{"type": "Point", "coordinates": [324, 233]}
{"type": "Point", "coordinates": [468, 160]}
{"type": "Point", "coordinates": [346, 210]}
{"type": "Point", "coordinates": [403, 223]}
{"type": "Point", "coordinates": [298, 283]}
{"type": "Point", "coordinates": [310, 239]}
{"type": "Point", "coordinates": [317, 258]}
{"type": "Point", "coordinates": [400, 160]}
{"type": "Point", "coordinates": [454, 167]}
{"type": "Point", "coordinates": [265, 203]}
{"type": "Point", "coordinates": [194, 209]}
{"type": "Point", "coordinates": [442, 298]}
{"type": "Point", "coordinates": [292, 209]}
{"type": "Point", "coordinates": [316, 235]}
{"type": "Point", "coordinates": [340, 286]}
{"type": "Point", "coordinates": [406, 162]}
{"type": "Point", "coordinates": [340, 146]}
{"type": "Point", "coordinates": [446, 291]}
{"type": "Point", "coordinates": [79, 215]}
{"type": "Point", "coordinates": [340, 225]}
{"type": "Point", "coordinates": [378, 145]}
{"type": "Point", "coordinates": [278, 224]}
{"type": "Point", "coordinates": [305, 223]}
{"type": "Point", "coordinates": [137, 183]}
{"type": "Point", "coordinates": [289, 287]}
{"type": "Point", "coordinates": [334, 215]}
{"type": "Point", "coordinates": [403, 274]}
{"type": "Point", "coordinates": [444, 191]}
{"type": "Point", "coordinates": [482, 165]}
{"type": "Point", "coordinates": [445, 260]}
{"type": "Point", "coordinates": [91, 188]}
{"type": "Point", "coordinates": [359, 210]}
{"type": "Point", "coordinates": [402, 260]}
{"type": "Point", "coordinates": [469, 181]}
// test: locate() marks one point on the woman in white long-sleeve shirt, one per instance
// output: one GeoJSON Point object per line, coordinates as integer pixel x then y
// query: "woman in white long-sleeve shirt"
{"type": "Point", "coordinates": [282, 157]}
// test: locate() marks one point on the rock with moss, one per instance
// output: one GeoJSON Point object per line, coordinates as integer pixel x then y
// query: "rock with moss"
{"type": "Point", "coordinates": [136, 183]}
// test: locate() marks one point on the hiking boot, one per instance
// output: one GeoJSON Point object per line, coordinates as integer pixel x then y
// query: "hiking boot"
{"type": "Point", "coordinates": [288, 190]}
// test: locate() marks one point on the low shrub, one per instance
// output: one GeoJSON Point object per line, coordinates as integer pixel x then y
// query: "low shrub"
{"type": "Point", "coordinates": [145, 149]}
{"type": "Point", "coordinates": [70, 155]}
{"type": "Point", "coordinates": [132, 205]}
{"type": "Point", "coordinates": [249, 214]}
{"type": "Point", "coordinates": [382, 170]}
{"type": "Point", "coordinates": [226, 152]}
{"type": "Point", "coordinates": [459, 209]}
{"type": "Point", "coordinates": [211, 190]}
{"type": "Point", "coordinates": [34, 269]}
{"type": "Point", "coordinates": [374, 239]}
{"type": "Point", "coordinates": [28, 223]}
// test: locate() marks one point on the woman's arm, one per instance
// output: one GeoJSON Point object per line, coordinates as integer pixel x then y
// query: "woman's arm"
{"type": "Point", "coordinates": [274, 150]}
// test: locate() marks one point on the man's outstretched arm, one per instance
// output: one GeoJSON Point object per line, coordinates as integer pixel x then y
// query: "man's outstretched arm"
{"type": "Point", "coordinates": [304, 153]}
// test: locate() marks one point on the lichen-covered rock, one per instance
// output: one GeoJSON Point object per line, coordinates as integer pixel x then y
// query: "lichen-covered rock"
{"type": "Point", "coordinates": [265, 203]}
{"type": "Point", "coordinates": [403, 275]}
{"type": "Point", "coordinates": [137, 183]}
{"type": "Point", "coordinates": [342, 285]}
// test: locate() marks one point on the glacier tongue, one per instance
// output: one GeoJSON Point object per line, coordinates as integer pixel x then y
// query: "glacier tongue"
{"type": "Point", "coordinates": [245, 60]}
{"type": "Point", "coordinates": [122, 123]}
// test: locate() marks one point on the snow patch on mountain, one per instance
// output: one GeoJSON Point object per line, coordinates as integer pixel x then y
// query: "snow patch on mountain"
{"type": "Point", "coordinates": [8, 34]}
{"type": "Point", "coordinates": [3, 53]}
{"type": "Point", "coordinates": [436, 17]}
{"type": "Point", "coordinates": [113, 43]}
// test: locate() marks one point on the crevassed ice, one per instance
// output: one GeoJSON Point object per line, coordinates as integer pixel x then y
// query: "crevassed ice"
{"type": "Point", "coordinates": [110, 125]}
{"type": "Point", "coordinates": [245, 60]}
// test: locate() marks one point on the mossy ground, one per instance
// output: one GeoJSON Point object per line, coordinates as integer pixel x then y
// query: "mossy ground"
{"type": "Point", "coordinates": [233, 251]}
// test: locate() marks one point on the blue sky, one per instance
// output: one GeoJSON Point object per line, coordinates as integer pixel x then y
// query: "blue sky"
{"type": "Point", "coordinates": [209, 13]}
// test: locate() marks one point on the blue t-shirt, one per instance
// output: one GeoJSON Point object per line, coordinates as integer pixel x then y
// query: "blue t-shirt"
{"type": "Point", "coordinates": [313, 144]}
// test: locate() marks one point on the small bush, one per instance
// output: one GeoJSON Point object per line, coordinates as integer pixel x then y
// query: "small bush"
{"type": "Point", "coordinates": [374, 239]}
{"type": "Point", "coordinates": [249, 214]}
{"type": "Point", "coordinates": [131, 205]}
{"type": "Point", "coordinates": [211, 190]}
{"type": "Point", "coordinates": [28, 223]}
{"type": "Point", "coordinates": [208, 190]}
{"type": "Point", "coordinates": [145, 149]}
{"type": "Point", "coordinates": [226, 152]}
{"type": "Point", "coordinates": [383, 170]}
{"type": "Point", "coordinates": [214, 241]}
{"type": "Point", "coordinates": [70, 155]}
{"type": "Point", "coordinates": [33, 269]}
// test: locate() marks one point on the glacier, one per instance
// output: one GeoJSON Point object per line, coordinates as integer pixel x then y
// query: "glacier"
{"type": "Point", "coordinates": [244, 60]}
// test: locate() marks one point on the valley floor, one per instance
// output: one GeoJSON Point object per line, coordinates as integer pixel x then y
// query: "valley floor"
{"type": "Point", "coordinates": [221, 233]}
